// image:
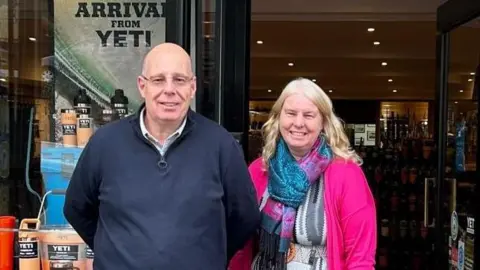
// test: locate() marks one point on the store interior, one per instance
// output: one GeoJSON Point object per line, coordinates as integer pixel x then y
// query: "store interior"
{"type": "Point", "coordinates": [389, 66]}
{"type": "Point", "coordinates": [380, 71]}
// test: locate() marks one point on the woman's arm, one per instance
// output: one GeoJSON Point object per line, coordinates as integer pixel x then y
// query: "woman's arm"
{"type": "Point", "coordinates": [243, 258]}
{"type": "Point", "coordinates": [358, 220]}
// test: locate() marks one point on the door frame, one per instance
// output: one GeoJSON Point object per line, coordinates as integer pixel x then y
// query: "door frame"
{"type": "Point", "coordinates": [226, 102]}
{"type": "Point", "coordinates": [450, 15]}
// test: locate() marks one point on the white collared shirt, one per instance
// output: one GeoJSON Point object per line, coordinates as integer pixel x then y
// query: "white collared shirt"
{"type": "Point", "coordinates": [162, 148]}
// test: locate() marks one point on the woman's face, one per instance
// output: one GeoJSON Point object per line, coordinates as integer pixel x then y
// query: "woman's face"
{"type": "Point", "coordinates": [300, 124]}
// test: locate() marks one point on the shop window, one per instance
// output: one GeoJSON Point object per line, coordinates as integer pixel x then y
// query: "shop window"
{"type": "Point", "coordinates": [67, 68]}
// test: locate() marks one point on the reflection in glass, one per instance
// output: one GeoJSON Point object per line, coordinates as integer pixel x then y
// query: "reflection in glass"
{"type": "Point", "coordinates": [206, 71]}
{"type": "Point", "coordinates": [462, 140]}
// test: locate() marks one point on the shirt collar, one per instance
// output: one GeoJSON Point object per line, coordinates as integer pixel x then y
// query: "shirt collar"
{"type": "Point", "coordinates": [147, 134]}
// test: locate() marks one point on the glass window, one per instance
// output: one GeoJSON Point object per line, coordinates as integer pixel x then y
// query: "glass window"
{"type": "Point", "coordinates": [66, 68]}
{"type": "Point", "coordinates": [207, 60]}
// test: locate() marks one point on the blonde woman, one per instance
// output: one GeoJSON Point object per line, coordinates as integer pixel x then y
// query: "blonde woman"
{"type": "Point", "coordinates": [317, 209]}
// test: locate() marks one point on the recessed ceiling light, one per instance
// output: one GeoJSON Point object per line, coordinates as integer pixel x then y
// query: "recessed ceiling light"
{"type": "Point", "coordinates": [371, 29]}
{"type": "Point", "coordinates": [314, 80]}
{"type": "Point", "coordinates": [330, 91]}
{"type": "Point", "coordinates": [472, 73]}
{"type": "Point", "coordinates": [461, 91]}
{"type": "Point", "coordinates": [390, 80]}
{"type": "Point", "coordinates": [376, 43]}
{"type": "Point", "coordinates": [259, 42]}
{"type": "Point", "coordinates": [290, 64]}
{"type": "Point", "coordinates": [394, 90]}
{"type": "Point", "coordinates": [269, 90]}
{"type": "Point", "coordinates": [470, 80]}
{"type": "Point", "coordinates": [32, 39]}
{"type": "Point", "coordinates": [456, 102]}
{"type": "Point", "coordinates": [384, 63]}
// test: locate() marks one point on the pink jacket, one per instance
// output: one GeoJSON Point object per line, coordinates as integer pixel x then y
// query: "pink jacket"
{"type": "Point", "coordinates": [351, 218]}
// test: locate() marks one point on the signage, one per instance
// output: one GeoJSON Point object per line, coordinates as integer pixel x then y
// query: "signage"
{"type": "Point", "coordinates": [100, 45]}
{"type": "Point", "coordinates": [461, 255]}
{"type": "Point", "coordinates": [454, 226]}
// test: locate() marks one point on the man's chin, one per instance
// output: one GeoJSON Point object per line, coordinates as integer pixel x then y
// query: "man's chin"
{"type": "Point", "coordinates": [170, 116]}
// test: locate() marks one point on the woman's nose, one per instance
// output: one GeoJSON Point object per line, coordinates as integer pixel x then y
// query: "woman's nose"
{"type": "Point", "coordinates": [299, 121]}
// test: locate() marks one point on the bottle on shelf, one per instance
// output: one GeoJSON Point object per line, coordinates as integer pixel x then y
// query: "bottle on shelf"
{"type": "Point", "coordinates": [119, 103]}
{"type": "Point", "coordinates": [82, 103]}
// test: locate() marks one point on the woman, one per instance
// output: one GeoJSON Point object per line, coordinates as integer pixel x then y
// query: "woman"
{"type": "Point", "coordinates": [317, 209]}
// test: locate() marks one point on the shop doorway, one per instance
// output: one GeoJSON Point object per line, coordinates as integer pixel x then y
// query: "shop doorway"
{"type": "Point", "coordinates": [425, 214]}
{"type": "Point", "coordinates": [456, 194]}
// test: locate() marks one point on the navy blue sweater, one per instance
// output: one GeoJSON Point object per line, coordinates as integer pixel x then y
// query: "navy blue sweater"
{"type": "Point", "coordinates": [192, 211]}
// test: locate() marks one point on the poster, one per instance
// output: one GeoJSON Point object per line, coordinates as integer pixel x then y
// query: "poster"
{"type": "Point", "coordinates": [99, 46]}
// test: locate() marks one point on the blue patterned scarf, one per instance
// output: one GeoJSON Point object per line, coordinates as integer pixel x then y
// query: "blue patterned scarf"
{"type": "Point", "coordinates": [288, 183]}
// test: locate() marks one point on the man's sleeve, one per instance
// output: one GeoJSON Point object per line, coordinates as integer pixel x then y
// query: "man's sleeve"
{"type": "Point", "coordinates": [243, 215]}
{"type": "Point", "coordinates": [81, 198]}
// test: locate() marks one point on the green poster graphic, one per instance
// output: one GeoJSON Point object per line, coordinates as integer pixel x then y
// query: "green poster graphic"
{"type": "Point", "coordinates": [99, 46]}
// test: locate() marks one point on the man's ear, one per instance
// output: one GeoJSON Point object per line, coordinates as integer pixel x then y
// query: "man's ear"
{"type": "Point", "coordinates": [194, 86]}
{"type": "Point", "coordinates": [141, 86]}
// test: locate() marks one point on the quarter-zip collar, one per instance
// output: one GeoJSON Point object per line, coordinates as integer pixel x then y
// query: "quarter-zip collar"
{"type": "Point", "coordinates": [135, 122]}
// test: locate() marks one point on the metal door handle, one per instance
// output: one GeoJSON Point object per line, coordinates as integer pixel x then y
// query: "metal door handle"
{"type": "Point", "coordinates": [425, 203]}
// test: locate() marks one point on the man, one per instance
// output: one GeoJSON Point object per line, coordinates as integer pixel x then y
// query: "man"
{"type": "Point", "coordinates": [165, 188]}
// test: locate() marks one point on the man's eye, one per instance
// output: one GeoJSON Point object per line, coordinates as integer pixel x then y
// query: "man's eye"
{"type": "Point", "coordinates": [180, 79]}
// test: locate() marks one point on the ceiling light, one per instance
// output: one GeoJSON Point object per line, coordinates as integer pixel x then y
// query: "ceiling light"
{"type": "Point", "coordinates": [371, 29]}
{"type": "Point", "coordinates": [394, 90]}
{"type": "Point", "coordinates": [470, 80]}
{"type": "Point", "coordinates": [3, 80]}
{"type": "Point", "coordinates": [390, 80]}
{"type": "Point", "coordinates": [384, 63]}
{"type": "Point", "coordinates": [330, 91]}
{"type": "Point", "coordinates": [32, 39]}
{"type": "Point", "coordinates": [376, 43]}
{"type": "Point", "coordinates": [269, 90]}
{"type": "Point", "coordinates": [461, 91]}
{"type": "Point", "coordinates": [290, 64]}
{"type": "Point", "coordinates": [259, 42]}
{"type": "Point", "coordinates": [456, 102]}
{"type": "Point", "coordinates": [314, 80]}
{"type": "Point", "coordinates": [472, 73]}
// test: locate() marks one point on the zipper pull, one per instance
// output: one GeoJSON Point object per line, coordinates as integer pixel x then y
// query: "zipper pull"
{"type": "Point", "coordinates": [162, 164]}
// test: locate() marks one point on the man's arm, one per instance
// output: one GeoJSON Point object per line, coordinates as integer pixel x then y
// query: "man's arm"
{"type": "Point", "coordinates": [81, 198]}
{"type": "Point", "coordinates": [243, 215]}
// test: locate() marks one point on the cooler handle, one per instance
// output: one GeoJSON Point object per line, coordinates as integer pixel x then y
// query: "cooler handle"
{"type": "Point", "coordinates": [25, 222]}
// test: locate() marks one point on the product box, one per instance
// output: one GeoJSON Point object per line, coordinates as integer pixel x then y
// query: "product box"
{"type": "Point", "coordinates": [57, 164]}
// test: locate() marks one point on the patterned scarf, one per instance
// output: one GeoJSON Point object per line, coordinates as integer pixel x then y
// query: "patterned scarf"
{"type": "Point", "coordinates": [288, 183]}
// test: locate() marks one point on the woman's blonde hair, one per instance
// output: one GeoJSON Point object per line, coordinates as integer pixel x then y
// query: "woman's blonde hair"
{"type": "Point", "coordinates": [332, 125]}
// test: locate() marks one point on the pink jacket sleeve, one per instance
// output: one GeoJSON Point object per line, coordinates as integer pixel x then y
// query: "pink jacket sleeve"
{"type": "Point", "coordinates": [243, 258]}
{"type": "Point", "coordinates": [358, 220]}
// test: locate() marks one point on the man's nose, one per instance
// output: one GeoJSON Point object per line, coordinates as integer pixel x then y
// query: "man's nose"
{"type": "Point", "coordinates": [169, 87]}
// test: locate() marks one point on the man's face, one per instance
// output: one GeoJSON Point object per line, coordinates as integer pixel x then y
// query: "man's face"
{"type": "Point", "coordinates": [167, 86]}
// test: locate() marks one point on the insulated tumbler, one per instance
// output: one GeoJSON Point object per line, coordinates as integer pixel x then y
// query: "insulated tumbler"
{"type": "Point", "coordinates": [7, 224]}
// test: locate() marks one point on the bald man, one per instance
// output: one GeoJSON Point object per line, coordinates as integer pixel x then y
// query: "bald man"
{"type": "Point", "coordinates": [164, 189]}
